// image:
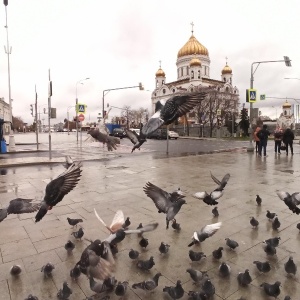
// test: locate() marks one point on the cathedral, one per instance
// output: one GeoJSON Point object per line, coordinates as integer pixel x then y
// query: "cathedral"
{"type": "Point", "coordinates": [193, 71]}
{"type": "Point", "coordinates": [286, 118]}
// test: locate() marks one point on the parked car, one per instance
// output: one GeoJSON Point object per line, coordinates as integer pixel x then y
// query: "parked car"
{"type": "Point", "coordinates": [119, 132]}
{"type": "Point", "coordinates": [173, 135]}
{"type": "Point", "coordinates": [159, 134]}
{"type": "Point", "coordinates": [137, 130]}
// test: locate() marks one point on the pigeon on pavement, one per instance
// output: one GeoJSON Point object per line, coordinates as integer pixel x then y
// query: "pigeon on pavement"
{"type": "Point", "coordinates": [196, 275]}
{"type": "Point", "coordinates": [244, 278]}
{"type": "Point", "coordinates": [291, 200]}
{"type": "Point", "coordinates": [121, 288]}
{"type": "Point", "coordinates": [177, 226]}
{"type": "Point", "coordinates": [163, 248]}
{"type": "Point", "coordinates": [254, 222]}
{"type": "Point", "coordinates": [136, 139]}
{"type": "Point", "coordinates": [224, 269]}
{"type": "Point", "coordinates": [276, 224]}
{"type": "Point", "coordinates": [272, 290]}
{"type": "Point", "coordinates": [149, 284]}
{"type": "Point", "coordinates": [47, 269]}
{"type": "Point", "coordinates": [65, 292]}
{"type": "Point", "coordinates": [74, 222]}
{"type": "Point", "coordinates": [298, 226]}
{"type": "Point", "coordinates": [196, 256]}
{"type": "Point", "coordinates": [19, 206]}
{"type": "Point", "coordinates": [204, 233]}
{"type": "Point", "coordinates": [58, 188]}
{"type": "Point", "coordinates": [175, 107]}
{"type": "Point", "coordinates": [208, 288]}
{"type": "Point", "coordinates": [144, 243]}
{"type": "Point", "coordinates": [231, 243]}
{"type": "Point", "coordinates": [258, 200]}
{"type": "Point", "coordinates": [133, 254]}
{"type": "Point", "coordinates": [217, 254]}
{"type": "Point", "coordinates": [175, 292]}
{"type": "Point", "coordinates": [263, 267]}
{"type": "Point", "coordinates": [75, 272]}
{"type": "Point", "coordinates": [15, 270]}
{"type": "Point", "coordinates": [215, 211]}
{"type": "Point", "coordinates": [78, 234]}
{"type": "Point", "coordinates": [97, 287]}
{"type": "Point", "coordinates": [69, 246]}
{"type": "Point", "coordinates": [270, 250]}
{"type": "Point", "coordinates": [168, 203]}
{"type": "Point", "coordinates": [290, 267]}
{"type": "Point", "coordinates": [146, 264]}
{"type": "Point", "coordinates": [272, 241]}
{"type": "Point", "coordinates": [270, 215]}
{"type": "Point", "coordinates": [197, 295]}
{"type": "Point", "coordinates": [31, 297]}
{"type": "Point", "coordinates": [287, 298]}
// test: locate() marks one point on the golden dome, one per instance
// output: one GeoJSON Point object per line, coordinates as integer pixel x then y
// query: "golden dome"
{"type": "Point", "coordinates": [192, 47]}
{"type": "Point", "coordinates": [195, 62]}
{"type": "Point", "coordinates": [226, 70]}
{"type": "Point", "coordinates": [160, 73]}
{"type": "Point", "coordinates": [286, 105]}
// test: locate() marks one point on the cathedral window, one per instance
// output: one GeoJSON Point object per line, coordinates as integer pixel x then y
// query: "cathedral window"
{"type": "Point", "coordinates": [224, 79]}
{"type": "Point", "coordinates": [163, 82]}
{"type": "Point", "coordinates": [187, 70]}
{"type": "Point", "coordinates": [181, 71]}
{"type": "Point", "coordinates": [192, 74]}
{"type": "Point", "coordinates": [173, 90]}
{"type": "Point", "coordinates": [164, 91]}
{"type": "Point", "coordinates": [198, 74]}
{"type": "Point", "coordinates": [156, 83]}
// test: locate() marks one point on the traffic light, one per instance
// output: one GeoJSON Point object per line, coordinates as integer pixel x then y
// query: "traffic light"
{"type": "Point", "coordinates": [5, 2]}
{"type": "Point", "coordinates": [287, 61]}
{"type": "Point", "coordinates": [141, 86]}
{"type": "Point", "coordinates": [31, 109]}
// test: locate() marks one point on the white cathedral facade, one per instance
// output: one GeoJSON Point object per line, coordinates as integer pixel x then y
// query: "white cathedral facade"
{"type": "Point", "coordinates": [286, 118]}
{"type": "Point", "coordinates": [193, 71]}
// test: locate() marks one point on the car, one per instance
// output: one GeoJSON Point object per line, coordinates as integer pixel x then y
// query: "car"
{"type": "Point", "coordinates": [137, 130]}
{"type": "Point", "coordinates": [173, 135]}
{"type": "Point", "coordinates": [119, 132]}
{"type": "Point", "coordinates": [159, 134]}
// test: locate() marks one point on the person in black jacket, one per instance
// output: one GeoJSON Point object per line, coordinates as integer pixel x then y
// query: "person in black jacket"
{"type": "Point", "coordinates": [288, 138]}
{"type": "Point", "coordinates": [263, 136]}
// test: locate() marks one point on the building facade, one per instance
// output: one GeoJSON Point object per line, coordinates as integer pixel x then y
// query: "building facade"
{"type": "Point", "coordinates": [286, 118]}
{"type": "Point", "coordinates": [4, 114]}
{"type": "Point", "coordinates": [193, 72]}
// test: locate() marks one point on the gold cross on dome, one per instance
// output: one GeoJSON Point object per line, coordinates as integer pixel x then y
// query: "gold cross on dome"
{"type": "Point", "coordinates": [226, 59]}
{"type": "Point", "coordinates": [192, 24]}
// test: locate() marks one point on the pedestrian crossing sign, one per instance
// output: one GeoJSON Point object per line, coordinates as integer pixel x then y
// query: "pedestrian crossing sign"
{"type": "Point", "coordinates": [81, 108]}
{"type": "Point", "coordinates": [251, 95]}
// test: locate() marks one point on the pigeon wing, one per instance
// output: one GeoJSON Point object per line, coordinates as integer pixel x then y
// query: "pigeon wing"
{"type": "Point", "coordinates": [21, 206]}
{"type": "Point", "coordinates": [200, 195]}
{"type": "Point", "coordinates": [103, 223]}
{"type": "Point", "coordinates": [282, 195]}
{"type": "Point", "coordinates": [146, 228]}
{"type": "Point", "coordinates": [158, 196]}
{"type": "Point", "coordinates": [210, 229]}
{"type": "Point", "coordinates": [216, 194]}
{"type": "Point", "coordinates": [132, 135]}
{"type": "Point", "coordinates": [154, 123]}
{"type": "Point", "coordinates": [216, 180]}
{"type": "Point", "coordinates": [117, 221]}
{"type": "Point", "coordinates": [62, 185]}
{"type": "Point", "coordinates": [296, 198]}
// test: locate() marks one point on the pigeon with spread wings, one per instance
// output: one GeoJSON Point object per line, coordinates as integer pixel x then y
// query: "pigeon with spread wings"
{"type": "Point", "coordinates": [19, 206]}
{"type": "Point", "coordinates": [291, 200]}
{"type": "Point", "coordinates": [168, 203]}
{"type": "Point", "coordinates": [136, 140]}
{"type": "Point", "coordinates": [58, 188]}
{"type": "Point", "coordinates": [217, 193]}
{"type": "Point", "coordinates": [116, 223]}
{"type": "Point", "coordinates": [175, 107]}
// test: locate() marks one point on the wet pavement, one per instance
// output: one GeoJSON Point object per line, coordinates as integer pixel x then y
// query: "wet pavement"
{"type": "Point", "coordinates": [115, 181]}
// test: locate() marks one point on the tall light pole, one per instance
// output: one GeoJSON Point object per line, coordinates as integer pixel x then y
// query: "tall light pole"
{"type": "Point", "coordinates": [76, 106]}
{"type": "Point", "coordinates": [287, 62]}
{"type": "Point", "coordinates": [12, 145]}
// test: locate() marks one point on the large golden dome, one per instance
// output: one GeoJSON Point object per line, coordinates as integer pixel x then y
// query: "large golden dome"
{"type": "Point", "coordinates": [195, 62]}
{"type": "Point", "coordinates": [226, 70]}
{"type": "Point", "coordinates": [286, 105]}
{"type": "Point", "coordinates": [160, 73]}
{"type": "Point", "coordinates": [192, 47]}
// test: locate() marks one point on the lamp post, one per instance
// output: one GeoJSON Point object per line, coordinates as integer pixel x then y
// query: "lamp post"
{"type": "Point", "coordinates": [140, 86]}
{"type": "Point", "coordinates": [12, 145]}
{"type": "Point", "coordinates": [287, 62]}
{"type": "Point", "coordinates": [76, 106]}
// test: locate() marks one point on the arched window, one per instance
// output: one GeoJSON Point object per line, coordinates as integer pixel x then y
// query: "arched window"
{"type": "Point", "coordinates": [156, 83]}
{"type": "Point", "coordinates": [224, 79]}
{"type": "Point", "coordinates": [164, 91]}
{"type": "Point", "coordinates": [163, 82]}
{"type": "Point", "coordinates": [285, 112]}
{"type": "Point", "coordinates": [181, 71]}
{"type": "Point", "coordinates": [192, 74]}
{"type": "Point", "coordinates": [187, 70]}
{"type": "Point", "coordinates": [230, 80]}
{"type": "Point", "coordinates": [198, 74]}
{"type": "Point", "coordinates": [173, 90]}
{"type": "Point", "coordinates": [227, 89]}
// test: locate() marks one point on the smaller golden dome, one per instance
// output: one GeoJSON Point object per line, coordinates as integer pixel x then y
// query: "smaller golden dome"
{"type": "Point", "coordinates": [160, 73]}
{"type": "Point", "coordinates": [195, 62]}
{"type": "Point", "coordinates": [286, 105]}
{"type": "Point", "coordinates": [226, 70]}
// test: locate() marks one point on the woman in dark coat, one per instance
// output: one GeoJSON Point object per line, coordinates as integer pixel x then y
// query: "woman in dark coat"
{"type": "Point", "coordinates": [288, 137]}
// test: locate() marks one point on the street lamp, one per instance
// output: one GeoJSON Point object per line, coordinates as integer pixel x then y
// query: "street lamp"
{"type": "Point", "coordinates": [287, 62]}
{"type": "Point", "coordinates": [12, 145]}
{"type": "Point", "coordinates": [76, 106]}
{"type": "Point", "coordinates": [140, 86]}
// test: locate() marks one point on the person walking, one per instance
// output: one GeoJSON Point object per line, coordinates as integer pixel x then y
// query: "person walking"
{"type": "Point", "coordinates": [288, 138]}
{"type": "Point", "coordinates": [278, 139]}
{"type": "Point", "coordinates": [256, 139]}
{"type": "Point", "coordinates": [263, 136]}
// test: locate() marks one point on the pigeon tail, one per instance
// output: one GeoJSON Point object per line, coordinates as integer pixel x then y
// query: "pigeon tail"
{"type": "Point", "coordinates": [191, 244]}
{"type": "Point", "coordinates": [41, 213]}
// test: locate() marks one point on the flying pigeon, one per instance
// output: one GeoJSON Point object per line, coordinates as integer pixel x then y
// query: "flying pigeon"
{"type": "Point", "coordinates": [19, 206]}
{"type": "Point", "coordinates": [121, 288]}
{"type": "Point", "coordinates": [177, 226]}
{"type": "Point", "coordinates": [74, 222]}
{"type": "Point", "coordinates": [117, 222]}
{"type": "Point", "coordinates": [15, 270]}
{"type": "Point", "coordinates": [69, 246]}
{"type": "Point", "coordinates": [276, 224]}
{"type": "Point", "coordinates": [270, 215]}
{"type": "Point", "coordinates": [136, 139]}
{"type": "Point", "coordinates": [204, 233]}
{"type": "Point", "coordinates": [208, 288]}
{"type": "Point", "coordinates": [291, 200]}
{"type": "Point", "coordinates": [244, 278]}
{"type": "Point", "coordinates": [163, 248]}
{"type": "Point", "coordinates": [290, 267]}
{"type": "Point", "coordinates": [31, 297]}
{"type": "Point", "coordinates": [217, 193]}
{"type": "Point", "coordinates": [263, 267]}
{"type": "Point", "coordinates": [258, 200]}
{"type": "Point", "coordinates": [196, 256]}
{"type": "Point", "coordinates": [217, 254]}
{"type": "Point", "coordinates": [149, 284]}
{"type": "Point", "coordinates": [196, 275]}
{"type": "Point", "coordinates": [224, 269]}
{"type": "Point", "coordinates": [146, 264]}
{"type": "Point", "coordinates": [168, 203]}
{"type": "Point", "coordinates": [65, 292]}
{"type": "Point", "coordinates": [273, 241]}
{"type": "Point", "coordinates": [133, 254]}
{"type": "Point", "coordinates": [175, 292]}
{"type": "Point", "coordinates": [58, 188]}
{"type": "Point", "coordinates": [272, 290]}
{"type": "Point", "coordinates": [231, 243]}
{"type": "Point", "coordinates": [78, 234]}
{"type": "Point", "coordinates": [47, 269]}
{"type": "Point", "coordinates": [175, 107]}
{"type": "Point", "coordinates": [254, 222]}
{"type": "Point", "coordinates": [75, 272]}
{"type": "Point", "coordinates": [215, 211]}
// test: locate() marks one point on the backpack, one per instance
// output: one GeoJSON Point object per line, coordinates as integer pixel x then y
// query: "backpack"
{"type": "Point", "coordinates": [260, 135]}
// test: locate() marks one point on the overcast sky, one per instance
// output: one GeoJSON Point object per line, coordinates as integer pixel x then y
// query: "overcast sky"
{"type": "Point", "coordinates": [119, 44]}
